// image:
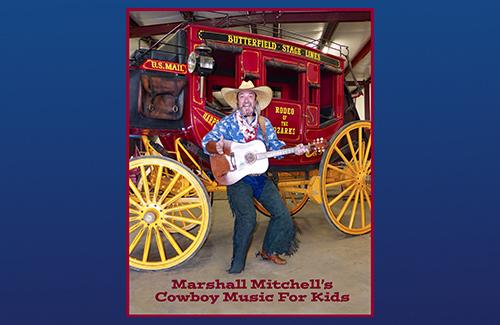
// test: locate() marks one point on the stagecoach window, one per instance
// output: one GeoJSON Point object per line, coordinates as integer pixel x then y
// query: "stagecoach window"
{"type": "Point", "coordinates": [327, 91]}
{"type": "Point", "coordinates": [222, 76]}
{"type": "Point", "coordinates": [284, 82]}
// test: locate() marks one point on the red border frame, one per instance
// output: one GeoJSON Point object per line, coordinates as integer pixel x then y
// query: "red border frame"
{"type": "Point", "coordinates": [127, 119]}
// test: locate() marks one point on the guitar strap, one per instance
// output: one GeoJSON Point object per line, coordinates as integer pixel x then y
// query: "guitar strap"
{"type": "Point", "coordinates": [262, 124]}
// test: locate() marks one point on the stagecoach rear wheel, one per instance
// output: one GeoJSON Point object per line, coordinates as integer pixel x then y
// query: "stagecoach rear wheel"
{"type": "Point", "coordinates": [345, 178]}
{"type": "Point", "coordinates": [169, 213]}
{"type": "Point", "coordinates": [294, 195]}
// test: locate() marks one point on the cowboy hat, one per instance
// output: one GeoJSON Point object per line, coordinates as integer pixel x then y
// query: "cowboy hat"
{"type": "Point", "coordinates": [218, 96]}
{"type": "Point", "coordinates": [264, 94]}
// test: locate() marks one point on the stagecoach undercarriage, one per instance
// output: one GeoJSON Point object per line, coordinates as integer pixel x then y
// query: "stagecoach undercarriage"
{"type": "Point", "coordinates": [170, 203]}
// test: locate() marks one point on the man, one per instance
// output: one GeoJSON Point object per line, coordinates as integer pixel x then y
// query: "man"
{"type": "Point", "coordinates": [243, 125]}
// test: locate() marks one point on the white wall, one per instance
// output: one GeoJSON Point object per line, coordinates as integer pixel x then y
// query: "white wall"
{"type": "Point", "coordinates": [360, 105]}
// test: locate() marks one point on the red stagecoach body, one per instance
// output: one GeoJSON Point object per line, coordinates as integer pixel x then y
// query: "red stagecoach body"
{"type": "Point", "coordinates": [308, 88]}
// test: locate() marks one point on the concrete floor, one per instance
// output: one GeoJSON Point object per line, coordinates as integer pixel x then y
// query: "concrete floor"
{"type": "Point", "coordinates": [324, 253]}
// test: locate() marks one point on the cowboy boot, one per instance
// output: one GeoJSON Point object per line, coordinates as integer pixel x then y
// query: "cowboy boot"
{"type": "Point", "coordinates": [275, 258]}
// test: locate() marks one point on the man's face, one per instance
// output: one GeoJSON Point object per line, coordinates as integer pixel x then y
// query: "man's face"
{"type": "Point", "coordinates": [246, 102]}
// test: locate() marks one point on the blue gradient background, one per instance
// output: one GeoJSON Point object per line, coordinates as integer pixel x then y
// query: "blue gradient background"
{"type": "Point", "coordinates": [63, 164]}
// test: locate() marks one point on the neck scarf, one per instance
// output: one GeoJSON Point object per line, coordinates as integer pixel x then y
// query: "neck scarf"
{"type": "Point", "coordinates": [249, 130]}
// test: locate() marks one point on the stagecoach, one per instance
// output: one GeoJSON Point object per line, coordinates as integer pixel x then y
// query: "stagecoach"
{"type": "Point", "coordinates": [174, 100]}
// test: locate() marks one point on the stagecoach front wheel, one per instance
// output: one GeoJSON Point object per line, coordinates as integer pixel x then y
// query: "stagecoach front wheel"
{"type": "Point", "coordinates": [345, 178]}
{"type": "Point", "coordinates": [293, 190]}
{"type": "Point", "coordinates": [169, 213]}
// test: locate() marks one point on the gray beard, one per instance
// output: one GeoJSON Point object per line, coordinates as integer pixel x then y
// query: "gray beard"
{"type": "Point", "coordinates": [247, 115]}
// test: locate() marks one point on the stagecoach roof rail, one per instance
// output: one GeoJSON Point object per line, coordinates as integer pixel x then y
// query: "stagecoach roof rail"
{"type": "Point", "coordinates": [171, 32]}
{"type": "Point", "coordinates": [291, 35]}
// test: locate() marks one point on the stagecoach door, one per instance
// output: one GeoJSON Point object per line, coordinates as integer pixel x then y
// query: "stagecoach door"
{"type": "Point", "coordinates": [286, 111]}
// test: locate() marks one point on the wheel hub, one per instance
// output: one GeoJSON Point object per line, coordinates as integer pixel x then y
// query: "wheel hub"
{"type": "Point", "coordinates": [361, 178]}
{"type": "Point", "coordinates": [149, 217]}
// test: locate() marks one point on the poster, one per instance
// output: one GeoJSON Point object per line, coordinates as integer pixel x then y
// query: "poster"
{"type": "Point", "coordinates": [180, 222]}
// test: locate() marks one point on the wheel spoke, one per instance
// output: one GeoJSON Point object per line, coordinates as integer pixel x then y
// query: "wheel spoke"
{"type": "Point", "coordinates": [338, 183]}
{"type": "Point", "coordinates": [136, 239]}
{"type": "Point", "coordinates": [362, 205]}
{"type": "Point", "coordinates": [351, 146]}
{"type": "Point", "coordinates": [145, 183]}
{"type": "Point", "coordinates": [360, 146]}
{"type": "Point", "coordinates": [354, 208]}
{"type": "Point", "coordinates": [134, 218]}
{"type": "Point", "coordinates": [347, 162]}
{"type": "Point", "coordinates": [340, 170]}
{"type": "Point", "coordinates": [158, 182]}
{"type": "Point", "coordinates": [177, 196]}
{"type": "Point", "coordinates": [134, 202]}
{"type": "Point", "coordinates": [338, 197]}
{"type": "Point", "coordinates": [182, 207]}
{"type": "Point", "coordinates": [171, 240]}
{"type": "Point", "coordinates": [188, 211]}
{"type": "Point", "coordinates": [147, 245]}
{"type": "Point", "coordinates": [367, 152]}
{"type": "Point", "coordinates": [133, 211]}
{"type": "Point", "coordinates": [159, 245]}
{"type": "Point", "coordinates": [134, 227]}
{"type": "Point", "coordinates": [179, 230]}
{"type": "Point", "coordinates": [136, 191]}
{"type": "Point", "coordinates": [346, 205]}
{"type": "Point", "coordinates": [368, 198]}
{"type": "Point", "coordinates": [169, 188]}
{"type": "Point", "coordinates": [183, 219]}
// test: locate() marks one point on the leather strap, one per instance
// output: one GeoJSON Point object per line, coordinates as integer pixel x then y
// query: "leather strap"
{"type": "Point", "coordinates": [262, 124]}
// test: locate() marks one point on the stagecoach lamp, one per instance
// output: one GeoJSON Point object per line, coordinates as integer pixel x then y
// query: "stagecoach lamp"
{"type": "Point", "coordinates": [192, 58]}
{"type": "Point", "coordinates": [205, 61]}
{"type": "Point", "coordinates": [202, 84]}
{"type": "Point", "coordinates": [200, 61]}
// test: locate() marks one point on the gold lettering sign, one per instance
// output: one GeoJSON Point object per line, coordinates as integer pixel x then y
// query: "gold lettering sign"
{"type": "Point", "coordinates": [283, 130]}
{"type": "Point", "coordinates": [284, 110]}
{"type": "Point", "coordinates": [249, 41]}
{"type": "Point", "coordinates": [165, 66]}
{"type": "Point", "coordinates": [210, 119]}
{"type": "Point", "coordinates": [268, 45]}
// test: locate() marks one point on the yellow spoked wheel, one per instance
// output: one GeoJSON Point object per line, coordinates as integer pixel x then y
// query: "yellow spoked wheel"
{"type": "Point", "coordinates": [345, 173]}
{"type": "Point", "coordinates": [292, 187]}
{"type": "Point", "coordinates": [169, 213]}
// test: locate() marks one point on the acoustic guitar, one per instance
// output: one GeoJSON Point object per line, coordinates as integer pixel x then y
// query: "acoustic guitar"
{"type": "Point", "coordinates": [250, 158]}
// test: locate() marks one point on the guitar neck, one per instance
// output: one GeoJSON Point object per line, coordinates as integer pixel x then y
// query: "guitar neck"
{"type": "Point", "coordinates": [272, 154]}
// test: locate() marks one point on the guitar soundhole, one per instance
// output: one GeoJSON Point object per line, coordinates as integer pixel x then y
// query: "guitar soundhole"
{"type": "Point", "coordinates": [250, 157]}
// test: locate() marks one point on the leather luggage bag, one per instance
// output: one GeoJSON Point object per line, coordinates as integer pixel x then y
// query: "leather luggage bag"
{"type": "Point", "coordinates": [161, 97]}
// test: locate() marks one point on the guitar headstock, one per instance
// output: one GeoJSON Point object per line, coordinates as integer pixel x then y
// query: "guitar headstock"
{"type": "Point", "coordinates": [318, 145]}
